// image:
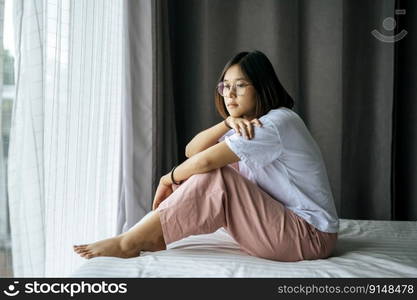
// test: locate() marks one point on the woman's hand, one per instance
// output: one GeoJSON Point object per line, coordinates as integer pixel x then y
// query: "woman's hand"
{"type": "Point", "coordinates": [243, 126]}
{"type": "Point", "coordinates": [162, 192]}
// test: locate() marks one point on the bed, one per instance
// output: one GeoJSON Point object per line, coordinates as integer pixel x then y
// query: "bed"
{"type": "Point", "coordinates": [366, 248]}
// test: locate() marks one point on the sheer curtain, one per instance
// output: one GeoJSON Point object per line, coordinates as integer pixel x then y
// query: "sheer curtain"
{"type": "Point", "coordinates": [3, 198]}
{"type": "Point", "coordinates": [65, 135]}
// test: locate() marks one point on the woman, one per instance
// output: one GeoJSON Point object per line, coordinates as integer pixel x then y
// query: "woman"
{"type": "Point", "coordinates": [259, 174]}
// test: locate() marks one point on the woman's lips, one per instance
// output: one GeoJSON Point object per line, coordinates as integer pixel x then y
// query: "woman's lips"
{"type": "Point", "coordinates": [231, 105]}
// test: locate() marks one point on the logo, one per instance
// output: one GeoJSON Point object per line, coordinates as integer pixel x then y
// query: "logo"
{"type": "Point", "coordinates": [389, 24]}
{"type": "Point", "coordinates": [11, 290]}
{"type": "Point", "coordinates": [70, 288]}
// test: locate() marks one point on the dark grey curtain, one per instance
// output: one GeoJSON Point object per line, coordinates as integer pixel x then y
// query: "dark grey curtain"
{"type": "Point", "coordinates": [404, 145]}
{"type": "Point", "coordinates": [149, 137]}
{"type": "Point", "coordinates": [355, 92]}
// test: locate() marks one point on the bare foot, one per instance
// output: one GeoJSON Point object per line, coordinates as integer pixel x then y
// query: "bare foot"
{"type": "Point", "coordinates": [108, 247]}
{"type": "Point", "coordinates": [146, 235]}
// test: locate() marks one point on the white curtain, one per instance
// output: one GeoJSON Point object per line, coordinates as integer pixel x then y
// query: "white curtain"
{"type": "Point", "coordinates": [64, 152]}
{"type": "Point", "coordinates": [3, 198]}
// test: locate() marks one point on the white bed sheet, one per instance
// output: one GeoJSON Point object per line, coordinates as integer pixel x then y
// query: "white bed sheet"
{"type": "Point", "coordinates": [365, 248]}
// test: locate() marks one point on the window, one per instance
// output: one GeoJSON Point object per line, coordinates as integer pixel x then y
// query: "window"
{"type": "Point", "coordinates": [7, 97]}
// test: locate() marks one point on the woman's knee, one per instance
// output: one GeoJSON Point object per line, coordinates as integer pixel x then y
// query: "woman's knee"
{"type": "Point", "coordinates": [202, 180]}
{"type": "Point", "coordinates": [204, 176]}
{"type": "Point", "coordinates": [214, 180]}
{"type": "Point", "coordinates": [227, 171]}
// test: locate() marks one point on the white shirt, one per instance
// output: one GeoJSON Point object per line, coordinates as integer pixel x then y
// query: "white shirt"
{"type": "Point", "coordinates": [284, 160]}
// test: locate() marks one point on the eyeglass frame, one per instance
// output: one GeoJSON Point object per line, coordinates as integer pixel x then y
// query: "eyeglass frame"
{"type": "Point", "coordinates": [233, 87]}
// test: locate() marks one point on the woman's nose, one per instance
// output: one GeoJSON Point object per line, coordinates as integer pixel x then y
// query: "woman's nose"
{"type": "Point", "coordinates": [232, 93]}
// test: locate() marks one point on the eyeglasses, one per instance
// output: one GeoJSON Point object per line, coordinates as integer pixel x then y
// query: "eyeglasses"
{"type": "Point", "coordinates": [224, 88]}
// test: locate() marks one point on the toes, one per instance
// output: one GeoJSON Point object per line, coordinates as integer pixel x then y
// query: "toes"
{"type": "Point", "coordinates": [84, 254]}
{"type": "Point", "coordinates": [88, 255]}
{"type": "Point", "coordinates": [82, 250]}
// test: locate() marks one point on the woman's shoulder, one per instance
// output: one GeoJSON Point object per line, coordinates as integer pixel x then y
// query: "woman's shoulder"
{"type": "Point", "coordinates": [280, 115]}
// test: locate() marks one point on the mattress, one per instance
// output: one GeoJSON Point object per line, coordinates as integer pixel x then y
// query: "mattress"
{"type": "Point", "coordinates": [365, 248]}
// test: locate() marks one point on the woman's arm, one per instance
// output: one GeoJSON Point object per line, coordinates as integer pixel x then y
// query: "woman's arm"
{"type": "Point", "coordinates": [205, 139]}
{"type": "Point", "coordinates": [214, 157]}
{"type": "Point", "coordinates": [209, 137]}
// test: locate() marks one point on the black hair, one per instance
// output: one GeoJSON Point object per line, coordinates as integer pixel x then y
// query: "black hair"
{"type": "Point", "coordinates": [270, 94]}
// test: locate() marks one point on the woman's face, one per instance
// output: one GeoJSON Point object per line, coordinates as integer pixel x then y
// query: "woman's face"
{"type": "Point", "coordinates": [242, 106]}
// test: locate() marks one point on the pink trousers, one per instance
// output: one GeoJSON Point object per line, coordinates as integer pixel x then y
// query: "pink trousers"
{"type": "Point", "coordinates": [261, 225]}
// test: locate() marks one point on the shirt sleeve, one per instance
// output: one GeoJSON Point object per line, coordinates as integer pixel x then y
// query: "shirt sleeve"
{"type": "Point", "coordinates": [259, 151]}
{"type": "Point", "coordinates": [229, 133]}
